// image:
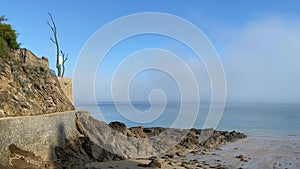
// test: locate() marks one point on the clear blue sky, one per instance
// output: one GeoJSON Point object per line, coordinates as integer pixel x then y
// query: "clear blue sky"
{"type": "Point", "coordinates": [238, 29]}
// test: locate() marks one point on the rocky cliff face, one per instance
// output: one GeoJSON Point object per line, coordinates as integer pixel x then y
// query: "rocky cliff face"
{"type": "Point", "coordinates": [28, 88]}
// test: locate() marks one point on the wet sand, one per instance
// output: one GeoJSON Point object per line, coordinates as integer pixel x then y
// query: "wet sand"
{"type": "Point", "coordinates": [256, 152]}
{"type": "Point", "coordinates": [252, 152]}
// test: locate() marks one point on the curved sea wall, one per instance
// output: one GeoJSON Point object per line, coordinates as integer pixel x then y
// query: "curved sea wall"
{"type": "Point", "coordinates": [37, 134]}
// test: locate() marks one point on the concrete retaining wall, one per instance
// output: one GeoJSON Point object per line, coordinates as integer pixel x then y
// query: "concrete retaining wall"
{"type": "Point", "coordinates": [38, 134]}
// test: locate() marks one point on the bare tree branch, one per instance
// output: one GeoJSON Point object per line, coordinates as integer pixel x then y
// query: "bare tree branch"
{"type": "Point", "coordinates": [65, 58]}
{"type": "Point", "coordinates": [52, 40]}
{"type": "Point", "coordinates": [50, 26]}
{"type": "Point", "coordinates": [53, 23]}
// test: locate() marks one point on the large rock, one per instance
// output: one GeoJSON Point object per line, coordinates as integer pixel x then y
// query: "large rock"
{"type": "Point", "coordinates": [118, 126]}
{"type": "Point", "coordinates": [81, 151]}
{"type": "Point", "coordinates": [147, 142]}
{"type": "Point", "coordinates": [129, 147]}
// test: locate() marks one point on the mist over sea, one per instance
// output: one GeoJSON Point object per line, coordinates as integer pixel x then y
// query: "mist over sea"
{"type": "Point", "coordinates": [254, 119]}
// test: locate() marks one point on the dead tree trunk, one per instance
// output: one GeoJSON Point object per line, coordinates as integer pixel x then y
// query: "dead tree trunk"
{"type": "Point", "coordinates": [55, 41]}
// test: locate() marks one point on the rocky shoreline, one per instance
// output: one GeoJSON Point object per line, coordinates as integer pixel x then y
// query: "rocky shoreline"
{"type": "Point", "coordinates": [101, 142]}
{"type": "Point", "coordinates": [189, 145]}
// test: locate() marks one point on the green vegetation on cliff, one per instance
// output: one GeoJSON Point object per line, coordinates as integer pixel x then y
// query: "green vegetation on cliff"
{"type": "Point", "coordinates": [8, 38]}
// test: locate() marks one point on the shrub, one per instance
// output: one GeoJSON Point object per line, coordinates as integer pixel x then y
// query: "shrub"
{"type": "Point", "coordinates": [8, 34]}
{"type": "Point", "coordinates": [4, 49]}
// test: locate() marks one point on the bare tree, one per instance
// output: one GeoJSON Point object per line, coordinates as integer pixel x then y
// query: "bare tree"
{"type": "Point", "coordinates": [55, 41]}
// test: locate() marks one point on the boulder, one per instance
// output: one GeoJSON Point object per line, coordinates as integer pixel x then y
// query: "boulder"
{"type": "Point", "coordinates": [118, 126]}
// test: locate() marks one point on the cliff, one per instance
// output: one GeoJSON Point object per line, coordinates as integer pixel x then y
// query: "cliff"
{"type": "Point", "coordinates": [27, 86]}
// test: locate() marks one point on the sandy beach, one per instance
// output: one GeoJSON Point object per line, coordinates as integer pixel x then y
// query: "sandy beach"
{"type": "Point", "coordinates": [252, 152]}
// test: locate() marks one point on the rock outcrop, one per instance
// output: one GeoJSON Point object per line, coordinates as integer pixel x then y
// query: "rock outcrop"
{"type": "Point", "coordinates": [28, 88]}
{"type": "Point", "coordinates": [81, 151]}
{"type": "Point", "coordinates": [146, 142]}
{"type": "Point", "coordinates": [101, 142]}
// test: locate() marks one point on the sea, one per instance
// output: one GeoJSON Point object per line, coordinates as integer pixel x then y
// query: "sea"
{"type": "Point", "coordinates": [253, 119]}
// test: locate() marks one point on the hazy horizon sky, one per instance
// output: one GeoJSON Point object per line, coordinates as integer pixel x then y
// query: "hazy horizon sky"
{"type": "Point", "coordinates": [258, 43]}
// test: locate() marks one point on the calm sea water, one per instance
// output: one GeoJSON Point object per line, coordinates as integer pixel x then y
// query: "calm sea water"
{"type": "Point", "coordinates": [252, 119]}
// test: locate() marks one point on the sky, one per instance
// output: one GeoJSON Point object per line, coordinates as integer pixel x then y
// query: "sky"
{"type": "Point", "coordinates": [257, 43]}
